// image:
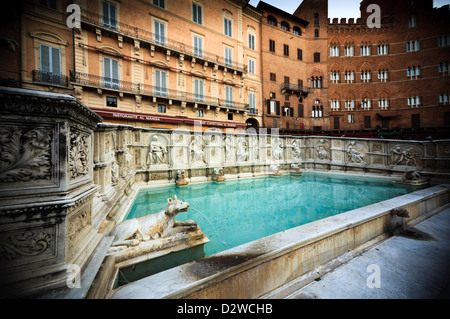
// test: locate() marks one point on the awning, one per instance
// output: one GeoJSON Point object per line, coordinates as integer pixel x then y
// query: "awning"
{"type": "Point", "coordinates": [163, 119]}
{"type": "Point", "coordinates": [388, 115]}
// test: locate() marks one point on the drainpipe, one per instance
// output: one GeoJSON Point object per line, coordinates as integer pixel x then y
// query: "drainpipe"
{"type": "Point", "coordinates": [73, 50]}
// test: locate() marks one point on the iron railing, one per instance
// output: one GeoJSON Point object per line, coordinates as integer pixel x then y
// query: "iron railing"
{"type": "Point", "coordinates": [146, 36]}
{"type": "Point", "coordinates": [96, 81]}
{"type": "Point", "coordinates": [294, 88]}
{"type": "Point", "coordinates": [50, 78]}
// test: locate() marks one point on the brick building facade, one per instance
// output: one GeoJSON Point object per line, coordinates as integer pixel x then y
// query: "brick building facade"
{"type": "Point", "coordinates": [395, 78]}
{"type": "Point", "coordinates": [229, 65]}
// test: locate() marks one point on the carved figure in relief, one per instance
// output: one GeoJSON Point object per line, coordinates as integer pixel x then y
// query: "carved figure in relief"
{"type": "Point", "coordinates": [242, 150]}
{"type": "Point", "coordinates": [157, 152]}
{"type": "Point", "coordinates": [228, 145]}
{"type": "Point", "coordinates": [277, 149]}
{"type": "Point", "coordinates": [404, 157]}
{"type": "Point", "coordinates": [114, 174]}
{"type": "Point", "coordinates": [196, 150]}
{"type": "Point", "coordinates": [132, 232]}
{"type": "Point", "coordinates": [296, 150]}
{"type": "Point", "coordinates": [255, 148]}
{"type": "Point", "coordinates": [354, 155]}
{"type": "Point", "coordinates": [322, 150]}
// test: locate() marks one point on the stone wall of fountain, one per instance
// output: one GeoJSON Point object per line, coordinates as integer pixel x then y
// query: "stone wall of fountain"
{"type": "Point", "coordinates": [156, 156]}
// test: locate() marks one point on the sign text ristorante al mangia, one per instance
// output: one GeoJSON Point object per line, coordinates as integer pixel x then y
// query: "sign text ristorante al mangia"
{"type": "Point", "coordinates": [163, 119]}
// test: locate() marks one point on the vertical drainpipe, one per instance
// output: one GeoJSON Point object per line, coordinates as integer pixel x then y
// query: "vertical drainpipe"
{"type": "Point", "coordinates": [73, 49]}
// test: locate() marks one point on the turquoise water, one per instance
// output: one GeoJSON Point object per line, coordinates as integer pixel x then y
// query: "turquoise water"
{"type": "Point", "coordinates": [240, 211]}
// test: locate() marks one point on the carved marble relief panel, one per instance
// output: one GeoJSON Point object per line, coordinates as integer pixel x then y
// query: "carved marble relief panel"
{"type": "Point", "coordinates": [356, 153]}
{"type": "Point", "coordinates": [78, 225]}
{"type": "Point", "coordinates": [406, 155]}
{"type": "Point", "coordinates": [322, 150]}
{"type": "Point", "coordinates": [26, 245]}
{"type": "Point", "coordinates": [26, 156]}
{"type": "Point", "coordinates": [79, 154]}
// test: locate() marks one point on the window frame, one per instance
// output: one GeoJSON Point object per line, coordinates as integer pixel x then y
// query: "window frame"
{"type": "Point", "coordinates": [196, 9]}
{"type": "Point", "coordinates": [108, 16]}
{"type": "Point", "coordinates": [227, 27]}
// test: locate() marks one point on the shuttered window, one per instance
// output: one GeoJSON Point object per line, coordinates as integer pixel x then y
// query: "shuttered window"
{"type": "Point", "coordinates": [50, 64]}
{"type": "Point", "coordinates": [160, 32]}
{"type": "Point", "coordinates": [228, 27]}
{"type": "Point", "coordinates": [228, 57]}
{"type": "Point", "coordinates": [198, 46]}
{"type": "Point", "coordinates": [228, 96]}
{"type": "Point", "coordinates": [109, 15]}
{"type": "Point", "coordinates": [111, 73]}
{"type": "Point", "coordinates": [160, 83]}
{"type": "Point", "coordinates": [198, 89]}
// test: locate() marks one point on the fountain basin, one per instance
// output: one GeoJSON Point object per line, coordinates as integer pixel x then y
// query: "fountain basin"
{"type": "Point", "coordinates": [255, 268]}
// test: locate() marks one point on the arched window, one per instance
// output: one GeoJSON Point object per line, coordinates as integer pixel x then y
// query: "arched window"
{"type": "Point", "coordinates": [316, 33]}
{"type": "Point", "coordinates": [316, 19]}
{"type": "Point", "coordinates": [272, 20]}
{"type": "Point", "coordinates": [297, 30]}
{"type": "Point", "coordinates": [285, 26]}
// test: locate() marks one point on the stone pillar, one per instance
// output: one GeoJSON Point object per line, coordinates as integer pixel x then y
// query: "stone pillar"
{"type": "Point", "coordinates": [46, 190]}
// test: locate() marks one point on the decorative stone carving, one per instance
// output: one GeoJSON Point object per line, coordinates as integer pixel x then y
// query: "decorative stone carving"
{"type": "Point", "coordinates": [196, 149]}
{"type": "Point", "coordinates": [158, 152]}
{"type": "Point", "coordinates": [78, 154]}
{"type": "Point", "coordinates": [274, 170]}
{"type": "Point", "coordinates": [228, 148]}
{"type": "Point", "coordinates": [114, 174]}
{"type": "Point", "coordinates": [405, 156]}
{"type": "Point", "coordinates": [25, 154]}
{"type": "Point", "coordinates": [296, 150]}
{"type": "Point", "coordinates": [132, 232]}
{"type": "Point", "coordinates": [323, 150]}
{"type": "Point", "coordinates": [181, 178]}
{"type": "Point", "coordinates": [354, 153]}
{"type": "Point", "coordinates": [217, 175]}
{"type": "Point", "coordinates": [277, 149]}
{"type": "Point", "coordinates": [27, 243]}
{"type": "Point", "coordinates": [242, 150]}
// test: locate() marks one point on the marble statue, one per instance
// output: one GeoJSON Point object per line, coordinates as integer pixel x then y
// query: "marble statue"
{"type": "Point", "coordinates": [132, 232]}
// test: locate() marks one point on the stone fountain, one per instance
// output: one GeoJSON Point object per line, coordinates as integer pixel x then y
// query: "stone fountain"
{"type": "Point", "coordinates": [150, 236]}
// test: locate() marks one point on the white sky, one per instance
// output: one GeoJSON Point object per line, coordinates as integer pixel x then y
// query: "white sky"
{"type": "Point", "coordinates": [336, 8]}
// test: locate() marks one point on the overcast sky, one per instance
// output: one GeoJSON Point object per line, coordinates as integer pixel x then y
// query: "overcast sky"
{"type": "Point", "coordinates": [336, 8]}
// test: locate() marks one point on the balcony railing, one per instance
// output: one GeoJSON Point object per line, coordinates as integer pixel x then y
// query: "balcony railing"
{"type": "Point", "coordinates": [49, 78]}
{"type": "Point", "coordinates": [292, 88]}
{"type": "Point", "coordinates": [95, 81]}
{"type": "Point", "coordinates": [156, 39]}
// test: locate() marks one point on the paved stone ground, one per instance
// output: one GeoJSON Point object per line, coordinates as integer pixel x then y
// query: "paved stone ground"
{"type": "Point", "coordinates": [406, 267]}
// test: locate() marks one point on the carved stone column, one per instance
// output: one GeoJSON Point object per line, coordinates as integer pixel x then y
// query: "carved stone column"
{"type": "Point", "coordinates": [46, 190]}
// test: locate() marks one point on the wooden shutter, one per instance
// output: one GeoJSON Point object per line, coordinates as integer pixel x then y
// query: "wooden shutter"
{"type": "Point", "coordinates": [300, 110]}
{"type": "Point", "coordinates": [277, 107]}
{"type": "Point", "coordinates": [336, 122]}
